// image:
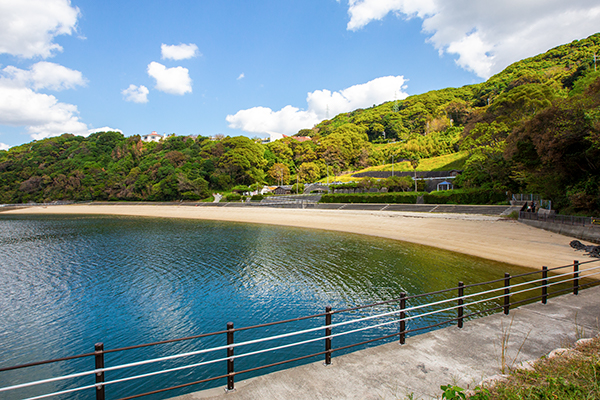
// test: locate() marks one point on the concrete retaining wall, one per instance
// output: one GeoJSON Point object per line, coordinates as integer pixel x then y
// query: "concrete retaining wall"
{"type": "Point", "coordinates": [588, 233]}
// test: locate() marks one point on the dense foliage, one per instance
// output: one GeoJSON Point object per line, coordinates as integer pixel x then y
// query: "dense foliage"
{"type": "Point", "coordinates": [382, 198]}
{"type": "Point", "coordinates": [534, 127]}
{"type": "Point", "coordinates": [465, 196]}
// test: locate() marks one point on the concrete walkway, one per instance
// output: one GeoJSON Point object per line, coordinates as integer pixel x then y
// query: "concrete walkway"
{"type": "Point", "coordinates": [458, 356]}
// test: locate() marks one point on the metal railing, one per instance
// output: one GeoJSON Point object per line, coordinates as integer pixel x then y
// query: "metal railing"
{"type": "Point", "coordinates": [454, 305]}
{"type": "Point", "coordinates": [561, 219]}
{"type": "Point", "coordinates": [533, 198]}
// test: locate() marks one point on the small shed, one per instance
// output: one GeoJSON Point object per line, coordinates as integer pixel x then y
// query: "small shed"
{"type": "Point", "coordinates": [445, 185]}
{"type": "Point", "coordinates": [284, 189]}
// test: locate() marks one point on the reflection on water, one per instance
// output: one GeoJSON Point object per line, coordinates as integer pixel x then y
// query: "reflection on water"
{"type": "Point", "coordinates": [69, 282]}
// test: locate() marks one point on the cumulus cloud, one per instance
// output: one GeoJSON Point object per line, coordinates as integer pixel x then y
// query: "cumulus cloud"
{"type": "Point", "coordinates": [178, 52]}
{"type": "Point", "coordinates": [28, 27]}
{"type": "Point", "coordinates": [241, 76]}
{"type": "Point", "coordinates": [45, 75]}
{"type": "Point", "coordinates": [487, 35]}
{"type": "Point", "coordinates": [4, 146]}
{"type": "Point", "coordinates": [321, 104]}
{"type": "Point", "coordinates": [42, 114]}
{"type": "Point", "coordinates": [170, 80]}
{"type": "Point", "coordinates": [104, 129]}
{"type": "Point", "coordinates": [364, 11]}
{"type": "Point", "coordinates": [136, 94]}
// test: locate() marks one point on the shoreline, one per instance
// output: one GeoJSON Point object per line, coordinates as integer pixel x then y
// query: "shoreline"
{"type": "Point", "coordinates": [488, 237]}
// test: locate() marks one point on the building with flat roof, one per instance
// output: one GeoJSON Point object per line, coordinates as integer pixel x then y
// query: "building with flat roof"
{"type": "Point", "coordinates": [152, 137]}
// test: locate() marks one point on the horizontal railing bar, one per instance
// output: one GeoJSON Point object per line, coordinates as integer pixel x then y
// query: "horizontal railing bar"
{"type": "Point", "coordinates": [163, 342]}
{"type": "Point", "coordinates": [431, 326]}
{"type": "Point", "coordinates": [245, 328]}
{"type": "Point", "coordinates": [173, 387]}
{"type": "Point", "coordinates": [109, 351]}
{"type": "Point", "coordinates": [483, 283]}
{"type": "Point", "coordinates": [364, 328]}
{"type": "Point", "coordinates": [589, 284]}
{"type": "Point", "coordinates": [283, 346]}
{"type": "Point", "coordinates": [560, 291]}
{"type": "Point", "coordinates": [482, 311]}
{"type": "Point", "coordinates": [48, 380]}
{"type": "Point", "coordinates": [514, 303]}
{"type": "Point", "coordinates": [130, 378]}
{"type": "Point", "coordinates": [43, 396]}
{"type": "Point", "coordinates": [36, 363]}
{"type": "Point", "coordinates": [586, 262]}
{"type": "Point", "coordinates": [365, 342]}
{"type": "Point", "coordinates": [280, 362]}
{"type": "Point", "coordinates": [395, 300]}
{"type": "Point", "coordinates": [524, 274]}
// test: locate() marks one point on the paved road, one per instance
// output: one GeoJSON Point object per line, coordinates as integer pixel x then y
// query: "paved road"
{"type": "Point", "coordinates": [451, 355]}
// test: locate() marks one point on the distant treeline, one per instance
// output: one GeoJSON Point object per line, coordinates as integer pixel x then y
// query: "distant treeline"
{"type": "Point", "coordinates": [533, 128]}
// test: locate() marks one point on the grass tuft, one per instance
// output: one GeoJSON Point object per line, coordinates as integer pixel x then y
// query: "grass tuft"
{"type": "Point", "coordinates": [575, 375]}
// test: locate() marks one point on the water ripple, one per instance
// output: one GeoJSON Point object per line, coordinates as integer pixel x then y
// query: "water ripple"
{"type": "Point", "coordinates": [69, 282]}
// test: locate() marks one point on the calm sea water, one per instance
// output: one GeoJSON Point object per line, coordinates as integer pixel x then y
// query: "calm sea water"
{"type": "Point", "coordinates": [68, 282]}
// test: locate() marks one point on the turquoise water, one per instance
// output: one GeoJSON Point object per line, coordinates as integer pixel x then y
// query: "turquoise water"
{"type": "Point", "coordinates": [68, 282]}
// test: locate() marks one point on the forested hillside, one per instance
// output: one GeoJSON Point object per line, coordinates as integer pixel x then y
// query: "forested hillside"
{"type": "Point", "coordinates": [534, 127]}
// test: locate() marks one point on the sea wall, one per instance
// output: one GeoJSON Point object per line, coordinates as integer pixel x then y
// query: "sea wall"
{"type": "Point", "coordinates": [589, 233]}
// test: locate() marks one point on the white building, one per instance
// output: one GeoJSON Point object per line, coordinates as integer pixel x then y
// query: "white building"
{"type": "Point", "coordinates": [152, 137]}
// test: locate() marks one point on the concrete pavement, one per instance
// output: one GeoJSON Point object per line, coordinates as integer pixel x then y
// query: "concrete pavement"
{"type": "Point", "coordinates": [458, 356]}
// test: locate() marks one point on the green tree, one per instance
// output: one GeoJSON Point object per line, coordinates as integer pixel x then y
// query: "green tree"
{"type": "Point", "coordinates": [280, 173]}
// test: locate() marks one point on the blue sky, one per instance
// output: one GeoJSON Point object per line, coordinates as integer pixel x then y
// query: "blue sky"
{"type": "Point", "coordinates": [249, 68]}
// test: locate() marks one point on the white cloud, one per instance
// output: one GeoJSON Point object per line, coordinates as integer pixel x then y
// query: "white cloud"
{"type": "Point", "coordinates": [242, 76]}
{"type": "Point", "coordinates": [136, 94]}
{"type": "Point", "coordinates": [178, 52]}
{"type": "Point", "coordinates": [104, 129]}
{"type": "Point", "coordinates": [45, 75]}
{"type": "Point", "coordinates": [364, 11]}
{"type": "Point", "coordinates": [4, 146]}
{"type": "Point", "coordinates": [170, 80]}
{"type": "Point", "coordinates": [28, 27]}
{"type": "Point", "coordinates": [321, 104]}
{"type": "Point", "coordinates": [488, 35]}
{"type": "Point", "coordinates": [42, 114]}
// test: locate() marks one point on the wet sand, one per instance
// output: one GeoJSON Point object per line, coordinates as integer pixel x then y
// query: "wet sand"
{"type": "Point", "coordinates": [482, 236]}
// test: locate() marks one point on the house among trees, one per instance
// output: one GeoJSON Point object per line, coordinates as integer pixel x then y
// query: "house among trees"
{"type": "Point", "coordinates": [152, 137]}
{"type": "Point", "coordinates": [273, 136]}
{"type": "Point", "coordinates": [283, 189]}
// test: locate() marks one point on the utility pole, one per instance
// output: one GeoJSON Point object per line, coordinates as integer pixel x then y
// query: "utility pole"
{"type": "Point", "coordinates": [392, 165]}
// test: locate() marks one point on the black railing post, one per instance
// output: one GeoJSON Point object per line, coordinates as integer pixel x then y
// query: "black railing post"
{"type": "Point", "coordinates": [230, 369]}
{"type": "Point", "coordinates": [402, 316]}
{"type": "Point", "coordinates": [506, 292]}
{"type": "Point", "coordinates": [327, 336]}
{"type": "Point", "coordinates": [576, 277]}
{"type": "Point", "coordinates": [461, 292]}
{"type": "Point", "coordinates": [544, 285]}
{"type": "Point", "coordinates": [99, 356]}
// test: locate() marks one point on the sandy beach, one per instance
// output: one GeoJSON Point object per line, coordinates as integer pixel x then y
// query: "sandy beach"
{"type": "Point", "coordinates": [482, 236]}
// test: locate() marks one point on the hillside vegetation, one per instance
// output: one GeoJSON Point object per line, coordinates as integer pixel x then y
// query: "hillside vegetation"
{"type": "Point", "coordinates": [534, 127]}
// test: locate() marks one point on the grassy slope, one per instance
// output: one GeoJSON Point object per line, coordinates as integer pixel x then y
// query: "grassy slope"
{"type": "Point", "coordinates": [441, 163]}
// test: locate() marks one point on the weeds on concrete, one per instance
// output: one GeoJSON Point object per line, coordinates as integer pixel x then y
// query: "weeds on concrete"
{"type": "Point", "coordinates": [574, 375]}
{"type": "Point", "coordinates": [505, 362]}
